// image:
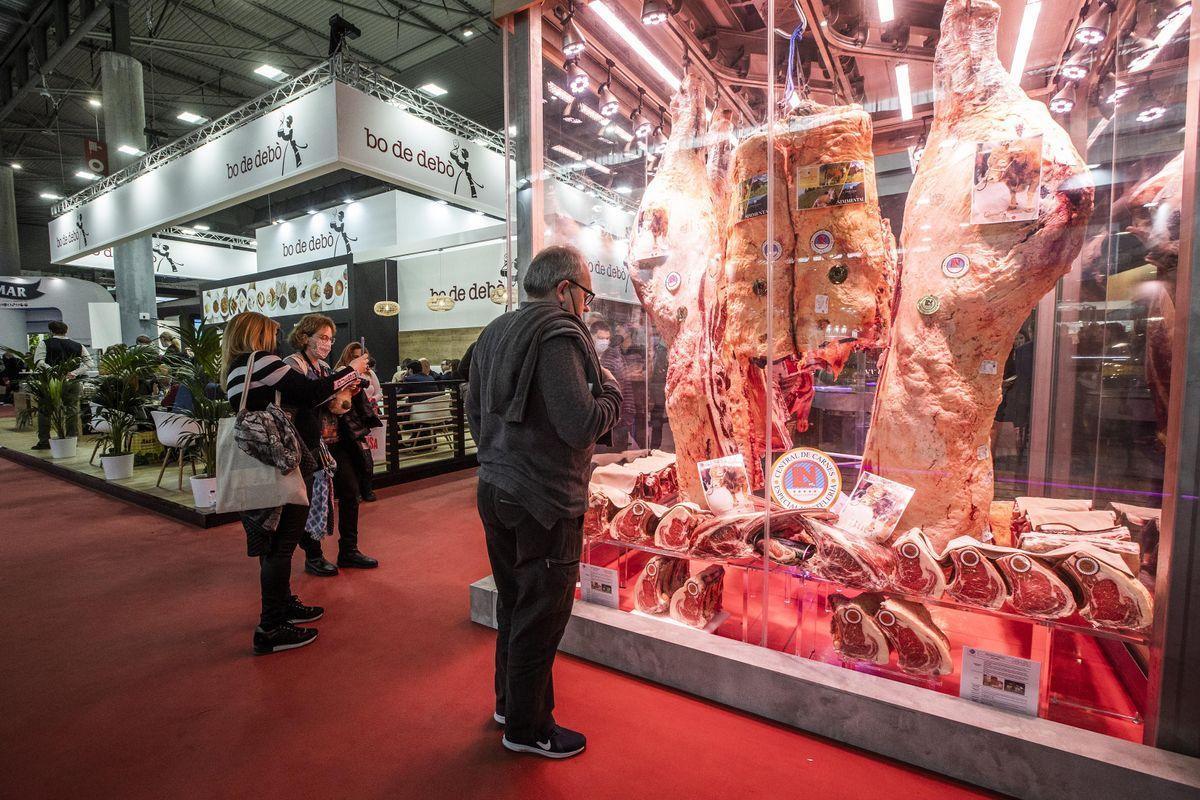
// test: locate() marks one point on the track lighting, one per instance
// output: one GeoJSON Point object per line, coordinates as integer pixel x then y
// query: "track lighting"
{"type": "Point", "coordinates": [1173, 10]}
{"type": "Point", "coordinates": [1075, 68]}
{"type": "Point", "coordinates": [658, 138]}
{"type": "Point", "coordinates": [608, 101]}
{"type": "Point", "coordinates": [577, 79]}
{"type": "Point", "coordinates": [1064, 99]}
{"type": "Point", "coordinates": [637, 120]}
{"type": "Point", "coordinates": [573, 112]}
{"type": "Point", "coordinates": [1094, 29]}
{"type": "Point", "coordinates": [1151, 109]}
{"type": "Point", "coordinates": [573, 41]}
{"type": "Point", "coordinates": [655, 12]}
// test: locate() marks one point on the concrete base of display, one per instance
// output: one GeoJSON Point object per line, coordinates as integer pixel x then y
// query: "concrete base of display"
{"type": "Point", "coordinates": [1021, 756]}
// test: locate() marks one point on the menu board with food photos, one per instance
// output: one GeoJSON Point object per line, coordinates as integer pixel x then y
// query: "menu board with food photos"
{"type": "Point", "coordinates": [308, 292]}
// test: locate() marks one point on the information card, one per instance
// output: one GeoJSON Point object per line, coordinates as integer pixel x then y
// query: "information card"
{"type": "Point", "coordinates": [1002, 681]}
{"type": "Point", "coordinates": [598, 585]}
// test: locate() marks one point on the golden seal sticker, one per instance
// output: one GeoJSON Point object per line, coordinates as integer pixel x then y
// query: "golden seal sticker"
{"type": "Point", "coordinates": [928, 305]}
{"type": "Point", "coordinates": [955, 265]}
{"type": "Point", "coordinates": [805, 478]}
{"type": "Point", "coordinates": [821, 241]}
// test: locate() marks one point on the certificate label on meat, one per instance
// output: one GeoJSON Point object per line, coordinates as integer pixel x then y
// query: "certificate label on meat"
{"type": "Point", "coordinates": [875, 507]}
{"type": "Point", "coordinates": [995, 679]}
{"type": "Point", "coordinates": [826, 185]}
{"type": "Point", "coordinates": [1008, 181]}
{"type": "Point", "coordinates": [598, 585]}
{"type": "Point", "coordinates": [805, 478]}
{"type": "Point", "coordinates": [752, 196]}
{"type": "Point", "coordinates": [726, 484]}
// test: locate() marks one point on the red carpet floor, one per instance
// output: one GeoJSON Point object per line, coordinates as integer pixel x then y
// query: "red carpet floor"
{"type": "Point", "coordinates": [127, 674]}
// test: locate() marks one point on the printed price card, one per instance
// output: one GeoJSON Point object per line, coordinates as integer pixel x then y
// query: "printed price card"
{"type": "Point", "coordinates": [995, 679]}
{"type": "Point", "coordinates": [598, 585]}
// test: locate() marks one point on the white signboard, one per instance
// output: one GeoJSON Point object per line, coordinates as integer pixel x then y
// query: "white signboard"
{"type": "Point", "coordinates": [316, 292]}
{"type": "Point", "coordinates": [598, 585]}
{"type": "Point", "coordinates": [469, 276]}
{"type": "Point", "coordinates": [72, 298]}
{"type": "Point", "coordinates": [380, 226]}
{"type": "Point", "coordinates": [995, 679]}
{"type": "Point", "coordinates": [377, 138]}
{"type": "Point", "coordinates": [184, 259]}
{"type": "Point", "coordinates": [293, 143]}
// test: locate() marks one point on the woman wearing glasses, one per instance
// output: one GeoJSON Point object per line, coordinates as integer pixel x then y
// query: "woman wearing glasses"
{"type": "Point", "coordinates": [312, 340]}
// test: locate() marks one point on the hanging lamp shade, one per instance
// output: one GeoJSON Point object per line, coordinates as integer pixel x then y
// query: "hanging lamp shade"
{"type": "Point", "coordinates": [387, 308]}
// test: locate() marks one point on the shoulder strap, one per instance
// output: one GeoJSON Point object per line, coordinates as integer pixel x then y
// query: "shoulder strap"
{"type": "Point", "coordinates": [249, 380]}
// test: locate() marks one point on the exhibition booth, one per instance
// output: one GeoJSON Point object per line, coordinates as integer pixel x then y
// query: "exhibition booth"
{"type": "Point", "coordinates": [911, 464]}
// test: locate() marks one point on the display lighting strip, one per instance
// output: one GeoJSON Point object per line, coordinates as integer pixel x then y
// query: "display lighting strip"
{"type": "Point", "coordinates": [1029, 20]}
{"type": "Point", "coordinates": [1160, 41]}
{"type": "Point", "coordinates": [904, 92]}
{"type": "Point", "coordinates": [590, 112]}
{"type": "Point", "coordinates": [243, 242]}
{"type": "Point", "coordinates": [360, 76]}
{"type": "Point", "coordinates": [635, 43]}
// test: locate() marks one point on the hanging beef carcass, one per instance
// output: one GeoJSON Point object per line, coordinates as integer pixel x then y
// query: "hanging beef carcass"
{"type": "Point", "coordinates": [660, 579]}
{"type": "Point", "coordinates": [966, 288]}
{"type": "Point", "coordinates": [675, 258]}
{"type": "Point", "coordinates": [856, 635]}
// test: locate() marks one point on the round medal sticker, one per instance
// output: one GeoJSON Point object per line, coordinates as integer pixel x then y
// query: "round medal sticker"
{"type": "Point", "coordinates": [673, 282]}
{"type": "Point", "coordinates": [805, 478]}
{"type": "Point", "coordinates": [772, 250]}
{"type": "Point", "coordinates": [928, 305]}
{"type": "Point", "coordinates": [955, 265]}
{"type": "Point", "coordinates": [821, 241]}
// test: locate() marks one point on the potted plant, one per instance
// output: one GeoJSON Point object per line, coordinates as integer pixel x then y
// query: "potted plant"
{"type": "Point", "coordinates": [121, 403]}
{"type": "Point", "coordinates": [50, 387]}
{"type": "Point", "coordinates": [197, 368]}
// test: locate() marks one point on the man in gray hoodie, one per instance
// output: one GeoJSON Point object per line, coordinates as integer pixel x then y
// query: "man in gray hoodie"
{"type": "Point", "coordinates": [537, 403]}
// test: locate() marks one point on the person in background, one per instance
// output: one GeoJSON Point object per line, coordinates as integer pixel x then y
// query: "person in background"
{"type": "Point", "coordinates": [611, 359]}
{"type": "Point", "coordinates": [143, 339]}
{"type": "Point", "coordinates": [53, 350]}
{"type": "Point", "coordinates": [401, 370]}
{"type": "Point", "coordinates": [170, 343]}
{"type": "Point", "coordinates": [464, 363]}
{"type": "Point", "coordinates": [11, 368]}
{"type": "Point", "coordinates": [272, 534]}
{"type": "Point", "coordinates": [356, 424]}
{"type": "Point", "coordinates": [658, 393]}
{"type": "Point", "coordinates": [312, 340]}
{"type": "Point", "coordinates": [537, 404]}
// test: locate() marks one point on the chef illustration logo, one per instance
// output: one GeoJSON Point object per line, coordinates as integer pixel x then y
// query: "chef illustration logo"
{"type": "Point", "coordinates": [821, 241]}
{"type": "Point", "coordinates": [288, 136]}
{"type": "Point", "coordinates": [162, 254]}
{"type": "Point", "coordinates": [955, 265]}
{"type": "Point", "coordinates": [338, 226]}
{"type": "Point", "coordinates": [462, 159]}
{"type": "Point", "coordinates": [805, 478]}
{"type": "Point", "coordinates": [80, 227]}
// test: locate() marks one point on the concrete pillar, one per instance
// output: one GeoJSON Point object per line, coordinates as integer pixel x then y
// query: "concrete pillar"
{"type": "Point", "coordinates": [10, 251]}
{"type": "Point", "coordinates": [125, 123]}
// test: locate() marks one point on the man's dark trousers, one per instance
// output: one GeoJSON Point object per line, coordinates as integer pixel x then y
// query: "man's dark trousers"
{"type": "Point", "coordinates": [535, 569]}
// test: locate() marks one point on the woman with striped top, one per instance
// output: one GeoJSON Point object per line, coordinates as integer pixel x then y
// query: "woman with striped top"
{"type": "Point", "coordinates": [273, 537]}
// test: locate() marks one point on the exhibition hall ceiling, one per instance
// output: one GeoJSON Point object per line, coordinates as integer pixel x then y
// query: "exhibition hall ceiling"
{"type": "Point", "coordinates": [200, 58]}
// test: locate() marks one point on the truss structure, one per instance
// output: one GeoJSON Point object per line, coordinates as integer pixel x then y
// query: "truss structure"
{"type": "Point", "coordinates": [210, 237]}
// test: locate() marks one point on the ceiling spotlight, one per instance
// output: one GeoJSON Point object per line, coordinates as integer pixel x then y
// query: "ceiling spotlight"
{"type": "Point", "coordinates": [87, 176]}
{"type": "Point", "coordinates": [311, 211]}
{"type": "Point", "coordinates": [1064, 99]}
{"type": "Point", "coordinates": [658, 138]}
{"type": "Point", "coordinates": [1094, 29]}
{"type": "Point", "coordinates": [1152, 112]}
{"type": "Point", "coordinates": [608, 101]}
{"type": "Point", "coordinates": [1118, 91]}
{"type": "Point", "coordinates": [130, 150]}
{"type": "Point", "coordinates": [468, 33]}
{"type": "Point", "coordinates": [15, 165]}
{"type": "Point", "coordinates": [93, 102]}
{"type": "Point", "coordinates": [270, 72]}
{"type": "Point", "coordinates": [432, 89]}
{"type": "Point", "coordinates": [1174, 10]}
{"type": "Point", "coordinates": [577, 79]}
{"type": "Point", "coordinates": [637, 120]}
{"type": "Point", "coordinates": [200, 226]}
{"type": "Point", "coordinates": [189, 117]}
{"type": "Point", "coordinates": [573, 112]}
{"type": "Point", "coordinates": [573, 41]}
{"type": "Point", "coordinates": [655, 12]}
{"type": "Point", "coordinates": [50, 196]}
{"type": "Point", "coordinates": [1075, 68]}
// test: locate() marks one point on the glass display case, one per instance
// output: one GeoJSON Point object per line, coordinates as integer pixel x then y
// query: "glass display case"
{"type": "Point", "coordinates": [892, 287]}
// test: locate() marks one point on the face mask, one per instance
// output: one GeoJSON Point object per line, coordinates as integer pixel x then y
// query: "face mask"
{"type": "Point", "coordinates": [601, 345]}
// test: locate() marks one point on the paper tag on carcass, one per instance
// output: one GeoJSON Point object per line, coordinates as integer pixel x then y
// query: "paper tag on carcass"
{"type": "Point", "coordinates": [821, 306]}
{"type": "Point", "coordinates": [987, 367]}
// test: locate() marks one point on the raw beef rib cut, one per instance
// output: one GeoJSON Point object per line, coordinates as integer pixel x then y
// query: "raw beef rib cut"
{"type": "Point", "coordinates": [1112, 597]}
{"type": "Point", "coordinates": [917, 568]}
{"type": "Point", "coordinates": [965, 289]}
{"type": "Point", "coordinates": [658, 582]}
{"type": "Point", "coordinates": [1036, 590]}
{"type": "Point", "coordinates": [635, 523]}
{"type": "Point", "coordinates": [976, 580]}
{"type": "Point", "coordinates": [849, 559]}
{"type": "Point", "coordinates": [674, 259]}
{"type": "Point", "coordinates": [921, 647]}
{"type": "Point", "coordinates": [856, 635]}
{"type": "Point", "coordinates": [699, 599]}
{"type": "Point", "coordinates": [677, 528]}
{"type": "Point", "coordinates": [599, 514]}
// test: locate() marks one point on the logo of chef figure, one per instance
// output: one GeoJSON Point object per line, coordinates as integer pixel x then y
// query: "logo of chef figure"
{"type": "Point", "coordinates": [163, 251]}
{"type": "Point", "coordinates": [338, 226]}
{"type": "Point", "coordinates": [79, 225]}
{"type": "Point", "coordinates": [288, 136]}
{"type": "Point", "coordinates": [462, 159]}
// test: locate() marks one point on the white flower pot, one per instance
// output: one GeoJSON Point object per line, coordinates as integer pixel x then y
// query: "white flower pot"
{"type": "Point", "coordinates": [64, 448]}
{"type": "Point", "coordinates": [117, 467]}
{"type": "Point", "coordinates": [204, 491]}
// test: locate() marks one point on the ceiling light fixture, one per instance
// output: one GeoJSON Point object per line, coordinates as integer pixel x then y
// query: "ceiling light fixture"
{"type": "Point", "coordinates": [311, 211]}
{"type": "Point", "coordinates": [655, 12]}
{"type": "Point", "coordinates": [637, 45]}
{"type": "Point", "coordinates": [572, 113]}
{"type": "Point", "coordinates": [15, 165]}
{"type": "Point", "coordinates": [130, 150]}
{"type": "Point", "coordinates": [1166, 32]}
{"type": "Point", "coordinates": [468, 33]}
{"type": "Point", "coordinates": [347, 200]}
{"type": "Point", "coordinates": [573, 41]}
{"type": "Point", "coordinates": [608, 101]}
{"type": "Point", "coordinates": [589, 112]}
{"type": "Point", "coordinates": [50, 196]}
{"type": "Point", "coordinates": [200, 226]}
{"type": "Point", "coordinates": [432, 89]}
{"type": "Point", "coordinates": [637, 120]}
{"type": "Point", "coordinates": [189, 117]}
{"type": "Point", "coordinates": [1025, 39]}
{"type": "Point", "coordinates": [623, 190]}
{"type": "Point", "coordinates": [270, 72]}
{"type": "Point", "coordinates": [577, 79]}
{"type": "Point", "coordinates": [1075, 68]}
{"type": "Point", "coordinates": [88, 176]}
{"type": "Point", "coordinates": [1094, 29]}
{"type": "Point", "coordinates": [1152, 112]}
{"type": "Point", "coordinates": [93, 102]}
{"type": "Point", "coordinates": [887, 11]}
{"type": "Point", "coordinates": [1064, 99]}
{"type": "Point", "coordinates": [904, 92]}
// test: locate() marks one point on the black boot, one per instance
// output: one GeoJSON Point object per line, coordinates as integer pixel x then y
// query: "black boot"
{"type": "Point", "coordinates": [320, 567]}
{"type": "Point", "coordinates": [354, 559]}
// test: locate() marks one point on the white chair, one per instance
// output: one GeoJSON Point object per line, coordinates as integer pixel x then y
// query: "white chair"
{"type": "Point", "coordinates": [174, 432]}
{"type": "Point", "coordinates": [432, 414]}
{"type": "Point", "coordinates": [99, 426]}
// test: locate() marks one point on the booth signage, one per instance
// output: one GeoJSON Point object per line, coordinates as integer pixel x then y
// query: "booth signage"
{"type": "Point", "coordinates": [470, 276]}
{"type": "Point", "coordinates": [20, 291]}
{"type": "Point", "coordinates": [182, 258]}
{"type": "Point", "coordinates": [307, 292]}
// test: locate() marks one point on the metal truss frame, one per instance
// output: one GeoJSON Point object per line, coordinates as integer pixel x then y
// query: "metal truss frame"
{"type": "Point", "coordinates": [211, 237]}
